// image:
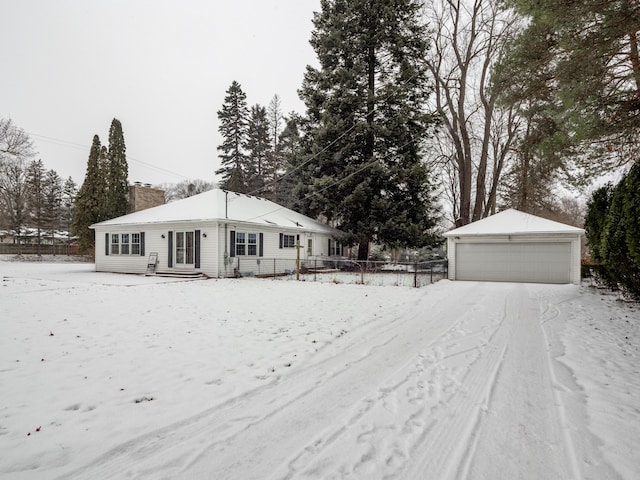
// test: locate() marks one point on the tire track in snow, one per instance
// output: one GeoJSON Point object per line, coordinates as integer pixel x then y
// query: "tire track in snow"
{"type": "Point", "coordinates": [548, 316]}
{"type": "Point", "coordinates": [526, 423]}
{"type": "Point", "coordinates": [216, 438]}
{"type": "Point", "coordinates": [446, 451]}
{"type": "Point", "coordinates": [409, 416]}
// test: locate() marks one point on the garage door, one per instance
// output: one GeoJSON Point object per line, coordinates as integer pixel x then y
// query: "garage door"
{"type": "Point", "coordinates": [514, 262]}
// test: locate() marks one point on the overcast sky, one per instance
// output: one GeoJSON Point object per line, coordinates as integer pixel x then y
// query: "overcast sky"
{"type": "Point", "coordinates": [161, 67]}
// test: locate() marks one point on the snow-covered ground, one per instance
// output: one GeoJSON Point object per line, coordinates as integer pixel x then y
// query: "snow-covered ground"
{"type": "Point", "coordinates": [123, 376]}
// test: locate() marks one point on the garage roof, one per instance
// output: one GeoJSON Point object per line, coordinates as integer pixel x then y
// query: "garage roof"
{"type": "Point", "coordinates": [513, 222]}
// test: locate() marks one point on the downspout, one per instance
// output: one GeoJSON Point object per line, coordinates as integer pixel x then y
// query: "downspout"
{"type": "Point", "coordinates": [225, 258]}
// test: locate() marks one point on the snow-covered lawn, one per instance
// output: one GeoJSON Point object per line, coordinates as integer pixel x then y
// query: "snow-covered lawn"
{"type": "Point", "coordinates": [122, 376]}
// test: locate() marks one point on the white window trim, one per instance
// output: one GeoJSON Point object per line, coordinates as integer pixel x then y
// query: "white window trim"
{"type": "Point", "coordinates": [129, 244]}
{"type": "Point", "coordinates": [246, 244]}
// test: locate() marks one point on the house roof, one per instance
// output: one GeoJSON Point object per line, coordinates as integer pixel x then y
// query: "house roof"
{"type": "Point", "coordinates": [513, 222]}
{"type": "Point", "coordinates": [223, 206]}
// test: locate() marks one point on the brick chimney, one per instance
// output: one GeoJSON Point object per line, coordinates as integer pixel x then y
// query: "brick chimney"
{"type": "Point", "coordinates": [144, 196]}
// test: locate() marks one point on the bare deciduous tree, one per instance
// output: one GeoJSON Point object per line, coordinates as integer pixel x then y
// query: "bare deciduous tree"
{"type": "Point", "coordinates": [468, 38]}
{"type": "Point", "coordinates": [14, 142]}
{"type": "Point", "coordinates": [15, 149]}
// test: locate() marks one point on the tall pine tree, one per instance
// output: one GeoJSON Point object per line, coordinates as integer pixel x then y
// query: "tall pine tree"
{"type": "Point", "coordinates": [89, 202]}
{"type": "Point", "coordinates": [36, 174]}
{"type": "Point", "coordinates": [274, 168]}
{"type": "Point", "coordinates": [367, 105]}
{"type": "Point", "coordinates": [258, 148]}
{"type": "Point", "coordinates": [291, 153]}
{"type": "Point", "coordinates": [52, 205]}
{"type": "Point", "coordinates": [233, 152]}
{"type": "Point", "coordinates": [68, 208]}
{"type": "Point", "coordinates": [118, 173]}
{"type": "Point", "coordinates": [579, 60]}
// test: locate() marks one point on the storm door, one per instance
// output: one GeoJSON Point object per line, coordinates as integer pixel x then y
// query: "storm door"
{"type": "Point", "coordinates": [185, 249]}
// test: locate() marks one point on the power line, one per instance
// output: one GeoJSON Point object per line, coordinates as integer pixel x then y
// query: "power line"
{"type": "Point", "coordinates": [346, 132]}
{"type": "Point", "coordinates": [326, 187]}
{"type": "Point", "coordinates": [77, 146]}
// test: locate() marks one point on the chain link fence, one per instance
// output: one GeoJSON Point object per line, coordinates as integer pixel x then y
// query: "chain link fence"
{"type": "Point", "coordinates": [344, 270]}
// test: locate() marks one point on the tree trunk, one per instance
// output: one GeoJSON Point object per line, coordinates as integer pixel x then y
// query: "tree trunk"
{"type": "Point", "coordinates": [635, 59]}
{"type": "Point", "coordinates": [363, 250]}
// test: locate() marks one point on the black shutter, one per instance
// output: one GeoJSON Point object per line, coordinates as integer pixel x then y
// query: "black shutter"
{"type": "Point", "coordinates": [142, 244]}
{"type": "Point", "coordinates": [170, 251]}
{"type": "Point", "coordinates": [197, 248]}
{"type": "Point", "coordinates": [281, 240]}
{"type": "Point", "coordinates": [106, 244]}
{"type": "Point", "coordinates": [261, 245]}
{"type": "Point", "coordinates": [232, 240]}
{"type": "Point", "coordinates": [329, 250]}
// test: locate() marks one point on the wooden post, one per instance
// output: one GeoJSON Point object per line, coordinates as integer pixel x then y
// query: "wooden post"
{"type": "Point", "coordinates": [298, 247]}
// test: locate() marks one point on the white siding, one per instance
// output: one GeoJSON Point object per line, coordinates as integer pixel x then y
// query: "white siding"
{"type": "Point", "coordinates": [154, 242]}
{"type": "Point", "coordinates": [273, 258]}
{"type": "Point", "coordinates": [214, 239]}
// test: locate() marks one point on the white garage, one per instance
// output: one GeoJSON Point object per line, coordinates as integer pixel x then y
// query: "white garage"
{"type": "Point", "coordinates": [513, 246]}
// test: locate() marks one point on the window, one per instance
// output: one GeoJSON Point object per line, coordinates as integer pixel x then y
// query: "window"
{"type": "Point", "coordinates": [126, 244]}
{"type": "Point", "coordinates": [246, 243]}
{"type": "Point", "coordinates": [288, 241]}
{"type": "Point", "coordinates": [115, 244]}
{"type": "Point", "coordinates": [252, 244]}
{"type": "Point", "coordinates": [135, 244]}
{"type": "Point", "coordinates": [335, 248]}
{"type": "Point", "coordinates": [241, 243]}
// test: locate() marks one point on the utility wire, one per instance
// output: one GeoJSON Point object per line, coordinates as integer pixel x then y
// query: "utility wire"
{"type": "Point", "coordinates": [313, 157]}
{"type": "Point", "coordinates": [77, 146]}
{"type": "Point", "coordinates": [326, 187]}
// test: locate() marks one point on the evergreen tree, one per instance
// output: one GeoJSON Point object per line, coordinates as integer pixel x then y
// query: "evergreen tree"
{"type": "Point", "coordinates": [274, 168]}
{"type": "Point", "coordinates": [89, 203]}
{"type": "Point", "coordinates": [69, 192]}
{"type": "Point", "coordinates": [117, 202]}
{"type": "Point", "coordinates": [52, 203]}
{"type": "Point", "coordinates": [613, 248]}
{"type": "Point", "coordinates": [597, 210]}
{"type": "Point", "coordinates": [366, 103]}
{"type": "Point", "coordinates": [258, 148]}
{"type": "Point", "coordinates": [291, 152]}
{"type": "Point", "coordinates": [233, 128]}
{"type": "Point", "coordinates": [580, 61]}
{"type": "Point", "coordinates": [632, 212]}
{"type": "Point", "coordinates": [529, 180]}
{"type": "Point", "coordinates": [35, 187]}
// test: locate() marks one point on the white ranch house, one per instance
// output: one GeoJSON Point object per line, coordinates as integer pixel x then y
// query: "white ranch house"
{"type": "Point", "coordinates": [513, 246]}
{"type": "Point", "coordinates": [216, 233]}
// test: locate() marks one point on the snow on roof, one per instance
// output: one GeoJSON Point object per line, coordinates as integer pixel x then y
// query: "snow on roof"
{"type": "Point", "coordinates": [513, 222]}
{"type": "Point", "coordinates": [224, 206]}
